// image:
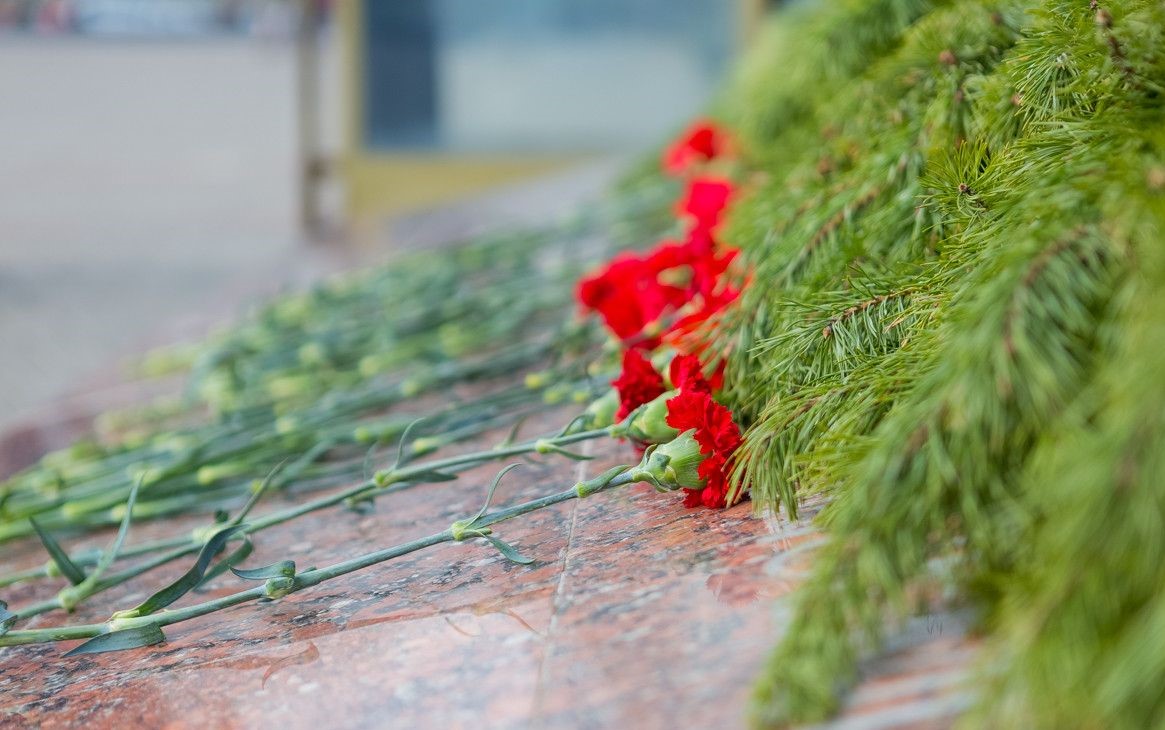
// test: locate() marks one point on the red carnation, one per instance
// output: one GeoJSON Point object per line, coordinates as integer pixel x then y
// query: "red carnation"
{"type": "Point", "coordinates": [718, 437]}
{"type": "Point", "coordinates": [639, 383]}
{"type": "Point", "coordinates": [704, 201]}
{"type": "Point", "coordinates": [687, 333]}
{"type": "Point", "coordinates": [629, 295]}
{"type": "Point", "coordinates": [701, 142]}
{"type": "Point", "coordinates": [708, 273]}
{"type": "Point", "coordinates": [686, 373]}
{"type": "Point", "coordinates": [685, 279]}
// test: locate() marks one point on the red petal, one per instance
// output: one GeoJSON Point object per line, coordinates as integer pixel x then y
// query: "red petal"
{"type": "Point", "coordinates": [639, 383]}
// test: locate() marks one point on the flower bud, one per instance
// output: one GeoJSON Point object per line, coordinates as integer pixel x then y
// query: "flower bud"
{"type": "Point", "coordinates": [312, 353]}
{"type": "Point", "coordinates": [555, 394]}
{"type": "Point", "coordinates": [601, 413]}
{"type": "Point", "coordinates": [425, 445]}
{"type": "Point", "coordinates": [649, 425]}
{"type": "Point", "coordinates": [370, 365]}
{"type": "Point", "coordinates": [288, 386]}
{"type": "Point", "coordinates": [676, 464]}
{"type": "Point", "coordinates": [410, 387]}
{"type": "Point", "coordinates": [147, 475]}
{"type": "Point", "coordinates": [211, 473]}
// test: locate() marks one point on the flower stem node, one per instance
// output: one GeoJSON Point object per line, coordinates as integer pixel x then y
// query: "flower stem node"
{"type": "Point", "coordinates": [279, 586]}
{"type": "Point", "coordinates": [464, 530]}
{"type": "Point", "coordinates": [599, 483]}
{"type": "Point", "coordinates": [384, 477]}
{"type": "Point", "coordinates": [70, 596]}
{"type": "Point", "coordinates": [130, 619]}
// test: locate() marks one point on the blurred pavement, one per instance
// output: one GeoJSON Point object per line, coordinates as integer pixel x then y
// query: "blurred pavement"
{"type": "Point", "coordinates": [140, 183]}
{"type": "Point", "coordinates": [148, 190]}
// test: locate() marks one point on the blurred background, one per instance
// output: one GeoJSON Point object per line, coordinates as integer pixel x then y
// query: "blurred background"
{"type": "Point", "coordinates": [164, 161]}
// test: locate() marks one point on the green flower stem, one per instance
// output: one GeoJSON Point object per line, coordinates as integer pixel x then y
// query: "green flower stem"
{"type": "Point", "coordinates": [180, 478]}
{"type": "Point", "coordinates": [110, 581]}
{"type": "Point", "coordinates": [307, 579]}
{"type": "Point", "coordinates": [326, 476]}
{"type": "Point", "coordinates": [399, 478]}
{"type": "Point", "coordinates": [90, 557]}
{"type": "Point", "coordinates": [393, 480]}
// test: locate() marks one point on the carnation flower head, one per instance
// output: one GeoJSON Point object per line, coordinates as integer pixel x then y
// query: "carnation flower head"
{"type": "Point", "coordinates": [628, 295]}
{"type": "Point", "coordinates": [718, 437]}
{"type": "Point", "coordinates": [637, 384]}
{"type": "Point", "coordinates": [636, 294]}
{"type": "Point", "coordinates": [702, 142]}
{"type": "Point", "coordinates": [686, 373]}
{"type": "Point", "coordinates": [704, 200]}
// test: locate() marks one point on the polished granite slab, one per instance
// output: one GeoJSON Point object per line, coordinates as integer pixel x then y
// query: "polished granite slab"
{"type": "Point", "coordinates": [637, 613]}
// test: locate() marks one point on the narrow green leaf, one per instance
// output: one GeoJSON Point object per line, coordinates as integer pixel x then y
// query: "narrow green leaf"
{"type": "Point", "coordinates": [282, 569]}
{"type": "Point", "coordinates": [258, 493]}
{"type": "Point", "coordinates": [121, 640]}
{"type": "Point", "coordinates": [111, 554]}
{"type": "Point", "coordinates": [512, 436]}
{"type": "Point", "coordinates": [361, 505]}
{"type": "Point", "coordinates": [7, 618]}
{"type": "Point", "coordinates": [509, 551]}
{"type": "Point", "coordinates": [67, 567]}
{"type": "Point", "coordinates": [489, 495]}
{"type": "Point", "coordinates": [566, 429]}
{"type": "Point", "coordinates": [368, 462]}
{"type": "Point", "coordinates": [188, 580]}
{"type": "Point", "coordinates": [433, 476]}
{"type": "Point", "coordinates": [400, 446]}
{"type": "Point", "coordinates": [241, 553]}
{"type": "Point", "coordinates": [570, 454]}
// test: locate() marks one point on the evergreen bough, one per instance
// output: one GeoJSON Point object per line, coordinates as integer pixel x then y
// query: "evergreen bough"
{"type": "Point", "coordinates": [958, 222]}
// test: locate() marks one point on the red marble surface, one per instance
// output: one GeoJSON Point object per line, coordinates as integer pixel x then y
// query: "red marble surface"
{"type": "Point", "coordinates": [638, 613]}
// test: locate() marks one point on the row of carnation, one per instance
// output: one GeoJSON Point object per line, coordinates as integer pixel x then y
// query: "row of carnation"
{"type": "Point", "coordinates": [659, 306]}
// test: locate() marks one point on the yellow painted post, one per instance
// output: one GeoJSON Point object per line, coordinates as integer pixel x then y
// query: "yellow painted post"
{"type": "Point", "coordinates": [311, 166]}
